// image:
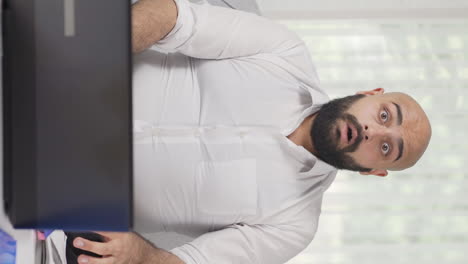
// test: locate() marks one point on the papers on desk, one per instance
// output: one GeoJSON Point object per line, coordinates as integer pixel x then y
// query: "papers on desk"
{"type": "Point", "coordinates": [7, 248]}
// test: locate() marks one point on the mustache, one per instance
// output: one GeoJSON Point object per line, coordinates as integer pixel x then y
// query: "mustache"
{"type": "Point", "coordinates": [353, 120]}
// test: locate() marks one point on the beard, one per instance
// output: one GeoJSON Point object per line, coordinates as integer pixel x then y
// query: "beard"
{"type": "Point", "coordinates": [326, 142]}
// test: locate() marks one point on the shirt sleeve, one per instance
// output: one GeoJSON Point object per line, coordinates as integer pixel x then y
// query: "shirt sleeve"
{"type": "Point", "coordinates": [212, 32]}
{"type": "Point", "coordinates": [246, 244]}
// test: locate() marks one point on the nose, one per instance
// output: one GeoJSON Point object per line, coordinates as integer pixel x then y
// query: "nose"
{"type": "Point", "coordinates": [377, 131]}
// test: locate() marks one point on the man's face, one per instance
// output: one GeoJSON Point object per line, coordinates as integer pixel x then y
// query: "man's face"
{"type": "Point", "coordinates": [371, 132]}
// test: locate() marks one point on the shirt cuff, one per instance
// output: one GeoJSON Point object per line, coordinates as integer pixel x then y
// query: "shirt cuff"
{"type": "Point", "coordinates": [181, 32]}
{"type": "Point", "coordinates": [184, 256]}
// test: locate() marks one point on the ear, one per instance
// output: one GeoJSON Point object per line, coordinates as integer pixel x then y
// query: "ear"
{"type": "Point", "coordinates": [380, 173]}
{"type": "Point", "coordinates": [372, 92]}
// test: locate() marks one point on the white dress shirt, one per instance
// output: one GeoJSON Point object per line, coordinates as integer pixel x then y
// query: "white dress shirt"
{"type": "Point", "coordinates": [211, 156]}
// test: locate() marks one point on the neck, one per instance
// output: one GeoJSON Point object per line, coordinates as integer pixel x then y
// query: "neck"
{"type": "Point", "coordinates": [301, 136]}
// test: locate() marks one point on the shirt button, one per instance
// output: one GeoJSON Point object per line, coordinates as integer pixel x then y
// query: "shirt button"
{"type": "Point", "coordinates": [156, 131]}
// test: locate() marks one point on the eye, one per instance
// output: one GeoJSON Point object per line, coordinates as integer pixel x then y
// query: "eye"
{"type": "Point", "coordinates": [384, 115]}
{"type": "Point", "coordinates": [385, 148]}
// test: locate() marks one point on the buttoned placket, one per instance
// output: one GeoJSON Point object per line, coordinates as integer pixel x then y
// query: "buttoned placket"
{"type": "Point", "coordinates": [146, 130]}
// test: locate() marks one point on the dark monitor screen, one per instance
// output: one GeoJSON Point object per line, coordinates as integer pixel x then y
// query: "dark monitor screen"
{"type": "Point", "coordinates": [67, 114]}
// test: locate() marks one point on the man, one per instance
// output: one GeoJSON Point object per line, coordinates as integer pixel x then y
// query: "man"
{"type": "Point", "coordinates": [235, 142]}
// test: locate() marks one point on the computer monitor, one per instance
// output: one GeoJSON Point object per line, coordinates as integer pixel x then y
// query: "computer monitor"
{"type": "Point", "coordinates": [67, 114]}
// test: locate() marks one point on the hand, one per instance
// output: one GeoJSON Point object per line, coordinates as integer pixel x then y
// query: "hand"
{"type": "Point", "coordinates": [117, 248]}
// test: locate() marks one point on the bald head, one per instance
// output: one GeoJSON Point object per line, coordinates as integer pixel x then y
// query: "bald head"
{"type": "Point", "coordinates": [416, 129]}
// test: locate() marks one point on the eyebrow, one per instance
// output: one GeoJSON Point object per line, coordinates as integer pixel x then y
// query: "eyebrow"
{"type": "Point", "coordinates": [399, 115]}
{"type": "Point", "coordinates": [399, 121]}
{"type": "Point", "coordinates": [400, 149]}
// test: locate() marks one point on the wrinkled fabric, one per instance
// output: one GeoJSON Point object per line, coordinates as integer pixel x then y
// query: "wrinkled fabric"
{"type": "Point", "coordinates": [213, 104]}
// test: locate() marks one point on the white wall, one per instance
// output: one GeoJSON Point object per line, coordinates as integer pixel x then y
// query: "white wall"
{"type": "Point", "coordinates": [319, 9]}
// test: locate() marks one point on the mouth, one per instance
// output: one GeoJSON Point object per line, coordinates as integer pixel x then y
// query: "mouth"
{"type": "Point", "coordinates": [348, 134]}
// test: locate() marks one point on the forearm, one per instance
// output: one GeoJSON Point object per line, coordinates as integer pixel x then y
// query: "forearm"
{"type": "Point", "coordinates": [160, 256]}
{"type": "Point", "coordinates": [154, 255]}
{"type": "Point", "coordinates": [152, 20]}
